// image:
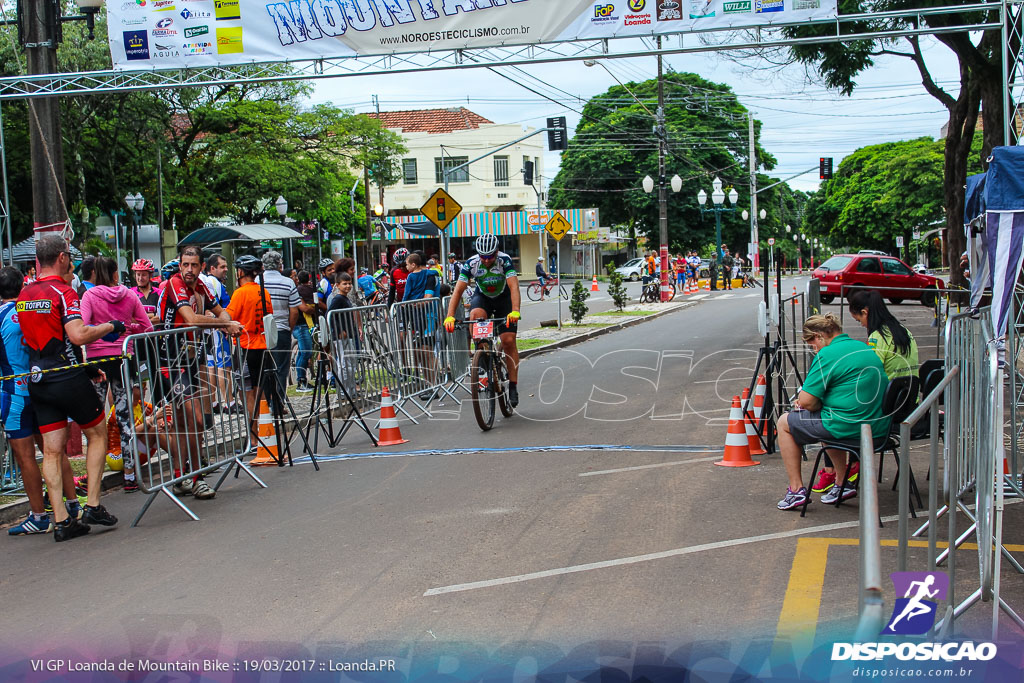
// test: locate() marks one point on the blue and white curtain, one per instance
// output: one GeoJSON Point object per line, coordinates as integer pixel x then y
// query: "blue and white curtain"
{"type": "Point", "coordinates": [994, 226]}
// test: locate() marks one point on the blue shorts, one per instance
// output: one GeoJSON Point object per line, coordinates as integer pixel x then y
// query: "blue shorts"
{"type": "Point", "coordinates": [17, 415]}
{"type": "Point", "coordinates": [218, 353]}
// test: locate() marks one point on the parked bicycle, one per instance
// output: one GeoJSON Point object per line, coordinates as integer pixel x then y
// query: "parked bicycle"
{"type": "Point", "coordinates": [651, 292]}
{"type": "Point", "coordinates": [534, 290]}
{"type": "Point", "coordinates": [487, 373]}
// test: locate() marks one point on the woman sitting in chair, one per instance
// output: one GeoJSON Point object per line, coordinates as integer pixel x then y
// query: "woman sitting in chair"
{"type": "Point", "coordinates": [897, 350]}
{"type": "Point", "coordinates": [844, 388]}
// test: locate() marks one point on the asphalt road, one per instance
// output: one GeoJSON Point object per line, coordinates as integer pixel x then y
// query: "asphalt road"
{"type": "Point", "coordinates": [536, 311]}
{"type": "Point", "coordinates": [534, 539]}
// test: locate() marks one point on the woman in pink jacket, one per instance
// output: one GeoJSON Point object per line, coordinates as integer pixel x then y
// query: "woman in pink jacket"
{"type": "Point", "coordinates": [107, 301]}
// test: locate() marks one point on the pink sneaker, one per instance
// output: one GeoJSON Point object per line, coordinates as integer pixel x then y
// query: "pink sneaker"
{"type": "Point", "coordinates": [826, 480]}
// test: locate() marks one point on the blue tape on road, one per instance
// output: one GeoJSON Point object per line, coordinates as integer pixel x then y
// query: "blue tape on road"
{"type": "Point", "coordinates": [522, 449]}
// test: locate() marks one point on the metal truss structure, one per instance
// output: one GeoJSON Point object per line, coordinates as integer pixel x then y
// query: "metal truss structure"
{"type": "Point", "coordinates": [846, 28]}
{"type": "Point", "coordinates": [1013, 71]}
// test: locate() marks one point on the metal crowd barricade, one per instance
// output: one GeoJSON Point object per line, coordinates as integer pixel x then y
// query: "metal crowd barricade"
{"type": "Point", "coordinates": [361, 352]}
{"type": "Point", "coordinates": [459, 354]}
{"type": "Point", "coordinates": [10, 473]}
{"type": "Point", "coordinates": [192, 423]}
{"type": "Point", "coordinates": [420, 346]}
{"type": "Point", "coordinates": [872, 607]}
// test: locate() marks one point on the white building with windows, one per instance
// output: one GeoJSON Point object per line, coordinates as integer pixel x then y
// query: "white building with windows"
{"type": "Point", "coordinates": [440, 139]}
{"type": "Point", "coordinates": [444, 138]}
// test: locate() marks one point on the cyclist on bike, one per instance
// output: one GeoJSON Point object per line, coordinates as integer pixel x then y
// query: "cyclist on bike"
{"type": "Point", "coordinates": [398, 275]}
{"type": "Point", "coordinates": [542, 276]}
{"type": "Point", "coordinates": [323, 288]}
{"type": "Point", "coordinates": [497, 296]}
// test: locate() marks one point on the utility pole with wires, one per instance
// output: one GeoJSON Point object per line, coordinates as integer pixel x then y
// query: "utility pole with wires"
{"type": "Point", "coordinates": [753, 195]}
{"type": "Point", "coordinates": [662, 190]}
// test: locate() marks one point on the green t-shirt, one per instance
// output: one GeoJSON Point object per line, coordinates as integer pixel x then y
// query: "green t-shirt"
{"type": "Point", "coordinates": [849, 379]}
{"type": "Point", "coordinates": [896, 365]}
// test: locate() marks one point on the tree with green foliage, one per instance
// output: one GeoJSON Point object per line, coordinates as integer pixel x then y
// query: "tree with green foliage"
{"type": "Point", "coordinates": [218, 151]}
{"type": "Point", "coordinates": [614, 148]}
{"type": "Point", "coordinates": [578, 305]}
{"type": "Point", "coordinates": [882, 192]}
{"type": "Point", "coordinates": [618, 293]}
{"type": "Point", "coordinates": [979, 90]}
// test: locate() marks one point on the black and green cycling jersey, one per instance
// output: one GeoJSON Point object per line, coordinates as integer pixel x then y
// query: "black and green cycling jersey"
{"type": "Point", "coordinates": [490, 280]}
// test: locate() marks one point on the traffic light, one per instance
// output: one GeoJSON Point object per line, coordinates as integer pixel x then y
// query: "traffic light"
{"type": "Point", "coordinates": [558, 139]}
{"type": "Point", "coordinates": [441, 211]}
{"type": "Point", "coordinates": [527, 173]}
{"type": "Point", "coordinates": [825, 168]}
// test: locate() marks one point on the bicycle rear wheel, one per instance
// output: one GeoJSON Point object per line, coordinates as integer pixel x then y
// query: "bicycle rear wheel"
{"type": "Point", "coordinates": [481, 377]}
{"type": "Point", "coordinates": [501, 380]}
{"type": "Point", "coordinates": [533, 291]}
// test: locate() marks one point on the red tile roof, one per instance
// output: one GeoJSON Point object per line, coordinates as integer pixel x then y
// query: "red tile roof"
{"type": "Point", "coordinates": [431, 120]}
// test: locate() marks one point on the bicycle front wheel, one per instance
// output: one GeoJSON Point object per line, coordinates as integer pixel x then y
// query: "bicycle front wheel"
{"type": "Point", "coordinates": [533, 292]}
{"type": "Point", "coordinates": [481, 377]}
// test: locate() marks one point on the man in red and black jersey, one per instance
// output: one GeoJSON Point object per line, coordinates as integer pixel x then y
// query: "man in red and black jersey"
{"type": "Point", "coordinates": [51, 323]}
{"type": "Point", "coordinates": [183, 378]}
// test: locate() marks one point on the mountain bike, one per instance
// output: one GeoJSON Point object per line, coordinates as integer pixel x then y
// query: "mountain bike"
{"type": "Point", "coordinates": [533, 291]}
{"type": "Point", "coordinates": [487, 373]}
{"type": "Point", "coordinates": [651, 292]}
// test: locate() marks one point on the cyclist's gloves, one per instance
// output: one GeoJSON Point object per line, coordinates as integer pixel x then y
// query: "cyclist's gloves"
{"type": "Point", "coordinates": [449, 324]}
{"type": "Point", "coordinates": [512, 318]}
{"type": "Point", "coordinates": [119, 329]}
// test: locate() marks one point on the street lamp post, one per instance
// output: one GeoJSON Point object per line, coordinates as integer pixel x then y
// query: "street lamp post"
{"type": "Point", "coordinates": [281, 204]}
{"type": "Point", "coordinates": [136, 202]}
{"type": "Point", "coordinates": [648, 185]}
{"type": "Point", "coordinates": [718, 199]}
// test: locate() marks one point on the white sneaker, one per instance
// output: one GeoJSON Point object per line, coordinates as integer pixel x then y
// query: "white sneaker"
{"type": "Point", "coordinates": [182, 488]}
{"type": "Point", "coordinates": [202, 490]}
{"type": "Point", "coordinates": [832, 496]}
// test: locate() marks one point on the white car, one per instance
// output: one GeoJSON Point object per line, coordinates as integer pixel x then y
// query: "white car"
{"type": "Point", "coordinates": [921, 268]}
{"type": "Point", "coordinates": [631, 269]}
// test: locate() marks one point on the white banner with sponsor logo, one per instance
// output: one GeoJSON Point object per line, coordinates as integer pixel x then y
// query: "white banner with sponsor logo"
{"type": "Point", "coordinates": [147, 34]}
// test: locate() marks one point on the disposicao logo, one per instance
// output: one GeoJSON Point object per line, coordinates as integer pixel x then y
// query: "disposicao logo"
{"type": "Point", "coordinates": [914, 613]}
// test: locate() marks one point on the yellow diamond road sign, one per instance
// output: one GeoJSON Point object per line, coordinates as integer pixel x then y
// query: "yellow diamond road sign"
{"type": "Point", "coordinates": [441, 209]}
{"type": "Point", "coordinates": [557, 227]}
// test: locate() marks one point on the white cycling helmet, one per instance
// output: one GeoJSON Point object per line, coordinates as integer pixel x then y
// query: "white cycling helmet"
{"type": "Point", "coordinates": [486, 245]}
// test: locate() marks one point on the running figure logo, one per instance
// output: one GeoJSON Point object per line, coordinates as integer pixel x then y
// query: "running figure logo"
{"type": "Point", "coordinates": [914, 613]}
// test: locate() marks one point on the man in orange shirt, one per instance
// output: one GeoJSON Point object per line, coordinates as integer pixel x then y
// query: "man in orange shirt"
{"type": "Point", "coordinates": [248, 307]}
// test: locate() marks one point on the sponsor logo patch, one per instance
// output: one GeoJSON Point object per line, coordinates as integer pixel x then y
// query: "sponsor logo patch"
{"type": "Point", "coordinates": [163, 5]}
{"type": "Point", "coordinates": [227, 9]}
{"type": "Point", "coordinates": [229, 40]}
{"type": "Point", "coordinates": [762, 6]}
{"type": "Point", "coordinates": [34, 306]}
{"type": "Point", "coordinates": [197, 47]}
{"type": "Point", "coordinates": [187, 14]}
{"type": "Point", "coordinates": [136, 44]}
{"type": "Point", "coordinates": [670, 10]}
{"type": "Point", "coordinates": [193, 31]}
{"type": "Point", "coordinates": [738, 7]}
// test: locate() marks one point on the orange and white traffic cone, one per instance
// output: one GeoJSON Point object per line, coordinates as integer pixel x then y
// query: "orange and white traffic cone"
{"type": "Point", "coordinates": [753, 441]}
{"type": "Point", "coordinates": [707, 285]}
{"type": "Point", "coordinates": [737, 448]}
{"type": "Point", "coordinates": [266, 446]}
{"type": "Point", "coordinates": [390, 434]}
{"type": "Point", "coordinates": [796, 299]}
{"type": "Point", "coordinates": [593, 285]}
{"type": "Point", "coordinates": [760, 389]}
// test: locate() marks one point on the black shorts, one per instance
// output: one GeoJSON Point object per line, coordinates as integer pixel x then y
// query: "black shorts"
{"type": "Point", "coordinates": [496, 307]}
{"type": "Point", "coordinates": [72, 397]}
{"type": "Point", "coordinates": [176, 384]}
{"type": "Point", "coordinates": [257, 362]}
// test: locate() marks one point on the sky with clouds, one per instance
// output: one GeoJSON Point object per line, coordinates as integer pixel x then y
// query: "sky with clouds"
{"type": "Point", "coordinates": [802, 120]}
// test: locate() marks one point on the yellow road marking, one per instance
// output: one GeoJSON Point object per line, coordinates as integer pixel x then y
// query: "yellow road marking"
{"type": "Point", "coordinates": [798, 620]}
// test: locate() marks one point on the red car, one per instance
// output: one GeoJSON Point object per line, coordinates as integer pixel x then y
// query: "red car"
{"type": "Point", "coordinates": [870, 270]}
